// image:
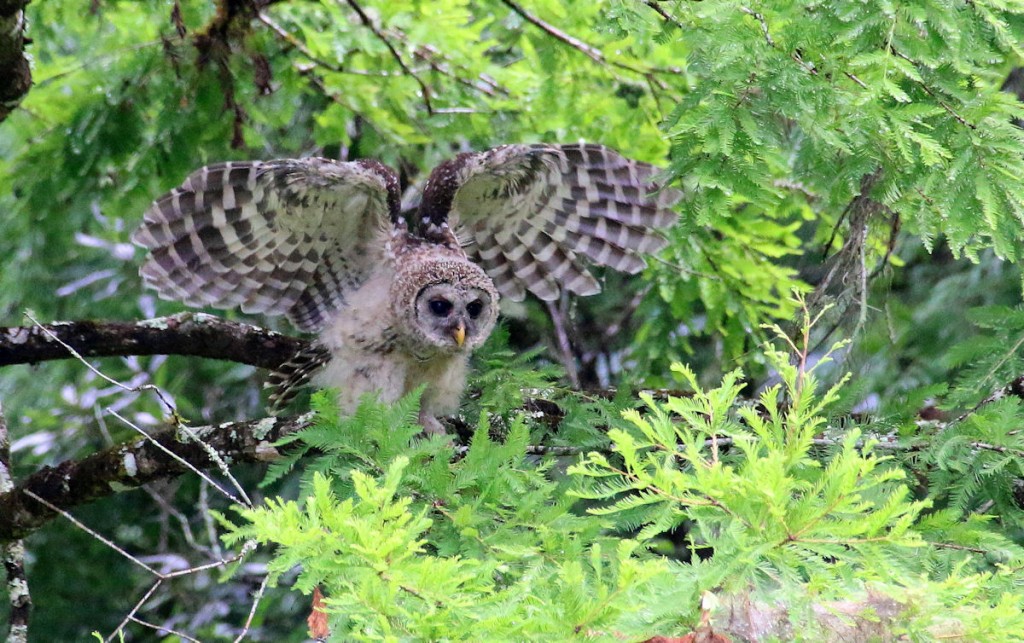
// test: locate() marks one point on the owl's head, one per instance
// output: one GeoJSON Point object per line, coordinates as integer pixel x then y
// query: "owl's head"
{"type": "Point", "coordinates": [446, 304]}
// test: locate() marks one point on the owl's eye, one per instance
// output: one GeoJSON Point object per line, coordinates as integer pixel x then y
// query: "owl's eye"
{"type": "Point", "coordinates": [474, 308]}
{"type": "Point", "coordinates": [440, 307]}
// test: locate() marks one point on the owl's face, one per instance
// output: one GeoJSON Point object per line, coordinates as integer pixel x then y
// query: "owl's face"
{"type": "Point", "coordinates": [454, 316]}
{"type": "Point", "coordinates": [443, 303]}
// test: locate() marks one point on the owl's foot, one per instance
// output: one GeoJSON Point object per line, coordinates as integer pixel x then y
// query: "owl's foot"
{"type": "Point", "coordinates": [431, 425]}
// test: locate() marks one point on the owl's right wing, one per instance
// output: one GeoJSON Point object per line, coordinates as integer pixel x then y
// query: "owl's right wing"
{"type": "Point", "coordinates": [288, 237]}
{"type": "Point", "coordinates": [538, 214]}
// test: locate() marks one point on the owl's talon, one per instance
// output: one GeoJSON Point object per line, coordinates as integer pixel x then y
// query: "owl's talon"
{"type": "Point", "coordinates": [431, 425]}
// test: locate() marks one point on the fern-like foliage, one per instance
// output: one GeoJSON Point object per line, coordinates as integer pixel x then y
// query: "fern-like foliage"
{"type": "Point", "coordinates": [485, 548]}
{"type": "Point", "coordinates": [750, 480]}
{"type": "Point", "coordinates": [408, 542]}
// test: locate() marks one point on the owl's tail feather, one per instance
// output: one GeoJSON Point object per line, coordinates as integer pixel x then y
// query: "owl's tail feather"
{"type": "Point", "coordinates": [290, 377]}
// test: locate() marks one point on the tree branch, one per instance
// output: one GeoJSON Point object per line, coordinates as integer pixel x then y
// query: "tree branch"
{"type": "Point", "coordinates": [14, 67]}
{"type": "Point", "coordinates": [653, 4]}
{"type": "Point", "coordinates": [131, 464]}
{"type": "Point", "coordinates": [12, 554]}
{"type": "Point", "coordinates": [195, 334]}
{"type": "Point", "coordinates": [590, 51]}
{"type": "Point", "coordinates": [365, 19]}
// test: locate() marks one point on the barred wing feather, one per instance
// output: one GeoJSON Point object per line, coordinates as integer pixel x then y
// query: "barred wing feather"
{"type": "Point", "coordinates": [285, 237]}
{"type": "Point", "coordinates": [538, 214]}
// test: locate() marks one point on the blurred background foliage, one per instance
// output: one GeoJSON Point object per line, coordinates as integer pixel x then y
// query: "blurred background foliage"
{"type": "Point", "coordinates": [859, 152]}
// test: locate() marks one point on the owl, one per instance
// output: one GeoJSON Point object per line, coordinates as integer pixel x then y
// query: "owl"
{"type": "Point", "coordinates": [400, 299]}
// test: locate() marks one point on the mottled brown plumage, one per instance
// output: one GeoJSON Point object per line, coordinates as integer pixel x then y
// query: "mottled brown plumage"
{"type": "Point", "coordinates": [399, 302]}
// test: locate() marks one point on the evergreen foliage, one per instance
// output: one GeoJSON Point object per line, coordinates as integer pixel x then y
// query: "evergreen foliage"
{"type": "Point", "coordinates": [406, 544]}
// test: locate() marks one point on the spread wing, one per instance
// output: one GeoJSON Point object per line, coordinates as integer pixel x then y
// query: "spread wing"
{"type": "Point", "coordinates": [285, 237]}
{"type": "Point", "coordinates": [537, 214]}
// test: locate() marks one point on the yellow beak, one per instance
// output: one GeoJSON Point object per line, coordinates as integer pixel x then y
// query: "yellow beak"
{"type": "Point", "coordinates": [460, 334]}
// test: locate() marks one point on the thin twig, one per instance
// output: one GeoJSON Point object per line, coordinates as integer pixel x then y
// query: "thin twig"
{"type": "Point", "coordinates": [394, 52]}
{"type": "Point", "coordinates": [710, 443]}
{"type": "Point", "coordinates": [895, 224]}
{"type": "Point", "coordinates": [78, 356]}
{"type": "Point", "coordinates": [163, 630]}
{"type": "Point", "coordinates": [591, 52]}
{"type": "Point", "coordinates": [428, 54]}
{"type": "Point", "coordinates": [565, 351]}
{"type": "Point", "coordinates": [252, 611]}
{"type": "Point", "coordinates": [246, 549]}
{"type": "Point", "coordinates": [661, 12]}
{"type": "Point", "coordinates": [764, 25]}
{"type": "Point", "coordinates": [220, 462]}
{"type": "Point", "coordinates": [998, 449]}
{"type": "Point", "coordinates": [285, 35]}
{"type": "Point", "coordinates": [188, 465]}
{"type": "Point", "coordinates": [485, 85]}
{"type": "Point", "coordinates": [1015, 387]}
{"type": "Point", "coordinates": [927, 90]}
{"type": "Point", "coordinates": [855, 79]}
{"type": "Point", "coordinates": [133, 612]}
{"type": "Point", "coordinates": [94, 534]}
{"type": "Point", "coordinates": [204, 511]}
{"type": "Point", "coordinates": [462, 110]}
{"type": "Point", "coordinates": [305, 69]}
{"type": "Point", "coordinates": [809, 68]}
{"type": "Point", "coordinates": [542, 449]}
{"type": "Point", "coordinates": [113, 56]}
{"type": "Point", "coordinates": [958, 547]}
{"type": "Point", "coordinates": [172, 511]}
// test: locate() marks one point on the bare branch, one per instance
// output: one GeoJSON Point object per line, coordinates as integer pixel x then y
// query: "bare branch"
{"type": "Point", "coordinates": [1014, 388]}
{"type": "Point", "coordinates": [998, 449]}
{"type": "Point", "coordinates": [13, 553]}
{"type": "Point", "coordinates": [188, 333]}
{"type": "Point", "coordinates": [435, 59]}
{"type": "Point", "coordinates": [131, 464]}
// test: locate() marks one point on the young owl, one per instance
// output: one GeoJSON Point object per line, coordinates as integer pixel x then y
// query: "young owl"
{"type": "Point", "coordinates": [398, 301]}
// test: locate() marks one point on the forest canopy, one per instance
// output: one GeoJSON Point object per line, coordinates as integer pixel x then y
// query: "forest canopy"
{"type": "Point", "coordinates": [803, 416]}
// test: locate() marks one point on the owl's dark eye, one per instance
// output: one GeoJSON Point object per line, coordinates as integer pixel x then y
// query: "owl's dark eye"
{"type": "Point", "coordinates": [474, 308]}
{"type": "Point", "coordinates": [440, 307]}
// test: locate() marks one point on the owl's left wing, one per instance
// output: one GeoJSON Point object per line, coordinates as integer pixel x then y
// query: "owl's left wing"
{"type": "Point", "coordinates": [537, 214]}
{"type": "Point", "coordinates": [290, 236]}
